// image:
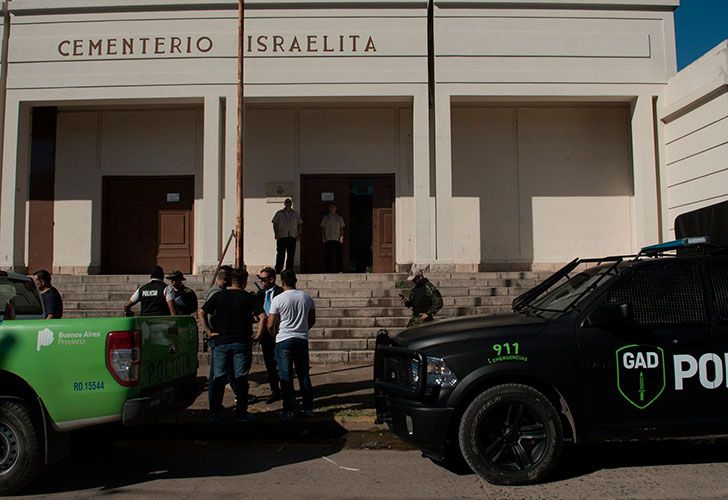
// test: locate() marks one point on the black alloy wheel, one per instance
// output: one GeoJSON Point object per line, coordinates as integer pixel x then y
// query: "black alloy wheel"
{"type": "Point", "coordinates": [9, 448]}
{"type": "Point", "coordinates": [511, 434]}
{"type": "Point", "coordinates": [21, 458]}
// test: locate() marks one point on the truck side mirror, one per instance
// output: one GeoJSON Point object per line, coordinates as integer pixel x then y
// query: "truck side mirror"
{"type": "Point", "coordinates": [611, 315]}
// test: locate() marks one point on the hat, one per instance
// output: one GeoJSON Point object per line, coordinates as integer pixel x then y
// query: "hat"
{"type": "Point", "coordinates": [157, 272]}
{"type": "Point", "coordinates": [417, 273]}
{"type": "Point", "coordinates": [176, 275]}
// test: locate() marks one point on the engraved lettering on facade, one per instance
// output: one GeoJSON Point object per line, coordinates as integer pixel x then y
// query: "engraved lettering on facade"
{"type": "Point", "coordinates": [130, 46]}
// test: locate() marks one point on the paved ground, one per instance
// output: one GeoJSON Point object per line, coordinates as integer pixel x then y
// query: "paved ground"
{"type": "Point", "coordinates": [339, 453]}
{"type": "Point", "coordinates": [201, 467]}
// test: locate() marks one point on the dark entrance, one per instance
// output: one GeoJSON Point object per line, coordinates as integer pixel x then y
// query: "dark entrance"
{"type": "Point", "coordinates": [147, 221]}
{"type": "Point", "coordinates": [367, 205]}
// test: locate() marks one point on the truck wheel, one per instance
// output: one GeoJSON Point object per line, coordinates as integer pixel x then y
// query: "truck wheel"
{"type": "Point", "coordinates": [511, 434]}
{"type": "Point", "coordinates": [20, 447]}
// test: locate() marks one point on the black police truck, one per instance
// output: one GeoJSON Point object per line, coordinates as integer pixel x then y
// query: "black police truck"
{"type": "Point", "coordinates": [614, 348]}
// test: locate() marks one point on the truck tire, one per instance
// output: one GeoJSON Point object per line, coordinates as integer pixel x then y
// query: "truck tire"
{"type": "Point", "coordinates": [21, 457]}
{"type": "Point", "coordinates": [511, 435]}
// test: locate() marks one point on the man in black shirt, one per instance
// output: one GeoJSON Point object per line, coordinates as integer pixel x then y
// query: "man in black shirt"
{"type": "Point", "coordinates": [234, 309]}
{"type": "Point", "coordinates": [151, 295]}
{"type": "Point", "coordinates": [52, 300]}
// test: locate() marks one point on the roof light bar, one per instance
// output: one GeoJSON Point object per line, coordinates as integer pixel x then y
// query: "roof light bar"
{"type": "Point", "coordinates": [677, 244]}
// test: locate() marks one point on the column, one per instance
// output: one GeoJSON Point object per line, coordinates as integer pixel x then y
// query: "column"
{"type": "Point", "coordinates": [207, 224]}
{"type": "Point", "coordinates": [421, 178]}
{"type": "Point", "coordinates": [644, 171]}
{"type": "Point", "coordinates": [443, 178]}
{"type": "Point", "coordinates": [14, 198]}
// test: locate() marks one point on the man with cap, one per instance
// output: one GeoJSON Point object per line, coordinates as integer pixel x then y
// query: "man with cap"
{"type": "Point", "coordinates": [424, 299]}
{"type": "Point", "coordinates": [151, 295]}
{"type": "Point", "coordinates": [180, 299]}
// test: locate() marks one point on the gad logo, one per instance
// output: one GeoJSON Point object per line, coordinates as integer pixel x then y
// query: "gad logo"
{"type": "Point", "coordinates": [640, 374]}
{"type": "Point", "coordinates": [45, 338]}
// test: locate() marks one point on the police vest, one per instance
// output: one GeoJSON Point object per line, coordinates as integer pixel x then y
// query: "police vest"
{"type": "Point", "coordinates": [152, 299]}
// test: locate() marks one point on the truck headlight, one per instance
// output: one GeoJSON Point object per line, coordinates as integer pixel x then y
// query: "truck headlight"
{"type": "Point", "coordinates": [439, 373]}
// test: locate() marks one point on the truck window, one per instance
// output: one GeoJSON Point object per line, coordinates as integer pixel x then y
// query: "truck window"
{"type": "Point", "coordinates": [718, 272]}
{"type": "Point", "coordinates": [663, 293]}
{"type": "Point", "coordinates": [23, 295]}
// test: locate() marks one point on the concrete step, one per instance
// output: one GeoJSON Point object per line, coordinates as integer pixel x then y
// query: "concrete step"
{"type": "Point", "coordinates": [351, 308]}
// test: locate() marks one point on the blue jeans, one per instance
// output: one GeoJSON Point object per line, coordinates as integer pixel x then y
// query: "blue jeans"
{"type": "Point", "coordinates": [236, 356]}
{"type": "Point", "coordinates": [289, 353]}
{"type": "Point", "coordinates": [211, 375]}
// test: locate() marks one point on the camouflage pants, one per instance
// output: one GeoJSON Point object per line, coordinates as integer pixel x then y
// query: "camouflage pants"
{"type": "Point", "coordinates": [416, 320]}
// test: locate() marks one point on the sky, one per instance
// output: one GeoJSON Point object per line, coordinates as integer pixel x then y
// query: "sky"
{"type": "Point", "coordinates": [700, 25]}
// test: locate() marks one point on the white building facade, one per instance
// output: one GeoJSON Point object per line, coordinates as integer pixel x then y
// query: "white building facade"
{"type": "Point", "coordinates": [452, 135]}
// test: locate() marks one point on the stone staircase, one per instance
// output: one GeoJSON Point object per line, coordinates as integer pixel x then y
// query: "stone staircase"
{"type": "Point", "coordinates": [350, 308]}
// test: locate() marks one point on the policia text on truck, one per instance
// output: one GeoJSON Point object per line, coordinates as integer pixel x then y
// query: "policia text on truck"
{"type": "Point", "coordinates": [633, 346]}
{"type": "Point", "coordinates": [66, 374]}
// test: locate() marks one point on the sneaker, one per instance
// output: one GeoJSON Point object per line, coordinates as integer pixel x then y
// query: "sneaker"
{"type": "Point", "coordinates": [275, 396]}
{"type": "Point", "coordinates": [307, 413]}
{"type": "Point", "coordinates": [287, 415]}
{"type": "Point", "coordinates": [244, 417]}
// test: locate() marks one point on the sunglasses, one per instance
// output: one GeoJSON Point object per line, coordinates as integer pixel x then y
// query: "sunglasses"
{"type": "Point", "coordinates": [263, 278]}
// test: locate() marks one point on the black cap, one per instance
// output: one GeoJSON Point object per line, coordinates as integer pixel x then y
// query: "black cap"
{"type": "Point", "coordinates": [176, 275]}
{"type": "Point", "coordinates": [157, 272]}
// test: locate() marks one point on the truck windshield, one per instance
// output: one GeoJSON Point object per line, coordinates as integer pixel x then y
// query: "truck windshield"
{"type": "Point", "coordinates": [23, 295]}
{"type": "Point", "coordinates": [567, 292]}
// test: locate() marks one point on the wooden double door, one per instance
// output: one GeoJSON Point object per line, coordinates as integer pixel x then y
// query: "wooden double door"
{"type": "Point", "coordinates": [147, 221]}
{"type": "Point", "coordinates": [366, 202]}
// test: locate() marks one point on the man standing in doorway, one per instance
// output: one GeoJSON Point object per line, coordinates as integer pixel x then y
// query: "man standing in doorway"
{"type": "Point", "coordinates": [52, 300]}
{"type": "Point", "coordinates": [151, 295]}
{"type": "Point", "coordinates": [292, 315]}
{"type": "Point", "coordinates": [287, 229]}
{"type": "Point", "coordinates": [267, 279]}
{"type": "Point", "coordinates": [424, 299]}
{"type": "Point", "coordinates": [332, 234]}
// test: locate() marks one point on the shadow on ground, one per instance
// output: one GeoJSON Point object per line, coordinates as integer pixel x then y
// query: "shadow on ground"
{"type": "Point", "coordinates": [186, 445]}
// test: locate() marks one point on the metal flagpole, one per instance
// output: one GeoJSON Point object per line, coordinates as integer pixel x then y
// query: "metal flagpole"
{"type": "Point", "coordinates": [239, 257]}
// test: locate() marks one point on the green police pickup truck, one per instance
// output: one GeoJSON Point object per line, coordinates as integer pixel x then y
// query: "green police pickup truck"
{"type": "Point", "coordinates": [60, 375]}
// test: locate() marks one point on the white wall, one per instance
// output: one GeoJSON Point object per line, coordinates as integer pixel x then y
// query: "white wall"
{"type": "Point", "coordinates": [694, 110]}
{"type": "Point", "coordinates": [283, 143]}
{"type": "Point", "coordinates": [93, 144]}
{"type": "Point", "coordinates": [554, 42]}
{"type": "Point", "coordinates": [540, 184]}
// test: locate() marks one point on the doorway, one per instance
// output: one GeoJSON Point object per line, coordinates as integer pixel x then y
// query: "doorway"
{"type": "Point", "coordinates": [147, 221]}
{"type": "Point", "coordinates": [366, 202]}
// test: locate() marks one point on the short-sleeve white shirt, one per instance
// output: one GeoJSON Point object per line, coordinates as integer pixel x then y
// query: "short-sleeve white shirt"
{"type": "Point", "coordinates": [293, 307]}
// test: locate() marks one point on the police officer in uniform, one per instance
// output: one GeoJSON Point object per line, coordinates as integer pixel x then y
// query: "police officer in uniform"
{"type": "Point", "coordinates": [151, 296]}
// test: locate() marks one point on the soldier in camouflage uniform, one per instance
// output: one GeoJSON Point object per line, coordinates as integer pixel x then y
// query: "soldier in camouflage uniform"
{"type": "Point", "coordinates": [424, 299]}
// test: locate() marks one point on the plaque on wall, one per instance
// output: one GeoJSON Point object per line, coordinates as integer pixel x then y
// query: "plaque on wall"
{"type": "Point", "coordinates": [276, 192]}
{"type": "Point", "coordinates": [172, 197]}
{"type": "Point", "coordinates": [327, 196]}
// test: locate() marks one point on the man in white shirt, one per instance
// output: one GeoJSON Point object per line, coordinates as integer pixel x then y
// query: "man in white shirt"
{"type": "Point", "coordinates": [287, 229]}
{"type": "Point", "coordinates": [332, 235]}
{"type": "Point", "coordinates": [292, 315]}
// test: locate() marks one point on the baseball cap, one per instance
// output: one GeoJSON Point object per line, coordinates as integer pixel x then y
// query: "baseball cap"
{"type": "Point", "coordinates": [417, 273]}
